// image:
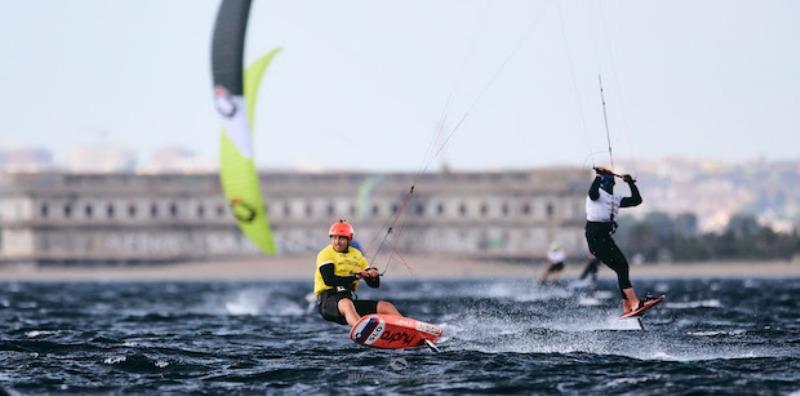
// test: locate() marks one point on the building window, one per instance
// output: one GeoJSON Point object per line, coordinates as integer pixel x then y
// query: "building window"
{"type": "Point", "coordinates": [375, 210]}
{"type": "Point", "coordinates": [440, 209]}
{"type": "Point", "coordinates": [420, 209]}
{"type": "Point", "coordinates": [43, 210]}
{"type": "Point", "coordinates": [131, 210]}
{"type": "Point", "coordinates": [331, 210]}
{"type": "Point", "coordinates": [309, 209]}
{"type": "Point", "coordinates": [173, 210]}
{"type": "Point", "coordinates": [504, 209]}
{"type": "Point", "coordinates": [526, 209]}
{"type": "Point", "coordinates": [352, 210]}
{"type": "Point", "coordinates": [154, 211]}
{"type": "Point", "coordinates": [462, 209]}
{"type": "Point", "coordinates": [484, 209]}
{"type": "Point", "coordinates": [67, 211]}
{"type": "Point", "coordinates": [88, 211]}
{"type": "Point", "coordinates": [201, 211]}
{"type": "Point", "coordinates": [549, 210]}
{"type": "Point", "coordinates": [287, 210]}
{"type": "Point", "coordinates": [220, 210]}
{"type": "Point", "coordinates": [110, 211]}
{"type": "Point", "coordinates": [394, 208]}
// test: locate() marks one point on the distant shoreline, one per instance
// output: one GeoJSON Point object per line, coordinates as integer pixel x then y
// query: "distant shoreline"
{"type": "Point", "coordinates": [422, 267]}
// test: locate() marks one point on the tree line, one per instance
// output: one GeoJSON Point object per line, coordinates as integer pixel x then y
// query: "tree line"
{"type": "Point", "coordinates": [659, 237]}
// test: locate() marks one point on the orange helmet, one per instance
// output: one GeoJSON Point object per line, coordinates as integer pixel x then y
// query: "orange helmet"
{"type": "Point", "coordinates": [341, 228]}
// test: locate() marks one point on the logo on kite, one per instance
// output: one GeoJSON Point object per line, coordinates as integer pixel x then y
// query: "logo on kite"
{"type": "Point", "coordinates": [224, 102]}
{"type": "Point", "coordinates": [242, 211]}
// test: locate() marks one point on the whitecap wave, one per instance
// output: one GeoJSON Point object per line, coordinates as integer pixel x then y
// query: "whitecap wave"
{"type": "Point", "coordinates": [712, 303]}
{"type": "Point", "coordinates": [115, 359]}
{"type": "Point", "coordinates": [37, 333]}
{"type": "Point", "coordinates": [712, 333]}
{"type": "Point", "coordinates": [588, 330]}
{"type": "Point", "coordinates": [544, 294]}
{"type": "Point", "coordinates": [589, 301]}
{"type": "Point", "coordinates": [252, 302]}
{"type": "Point", "coordinates": [625, 381]}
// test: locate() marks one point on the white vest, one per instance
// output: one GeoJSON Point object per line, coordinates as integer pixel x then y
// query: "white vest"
{"type": "Point", "coordinates": [556, 256]}
{"type": "Point", "coordinates": [602, 209]}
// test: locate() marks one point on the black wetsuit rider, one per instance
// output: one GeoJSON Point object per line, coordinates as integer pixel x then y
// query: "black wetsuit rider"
{"type": "Point", "coordinates": [601, 208]}
{"type": "Point", "coordinates": [591, 269]}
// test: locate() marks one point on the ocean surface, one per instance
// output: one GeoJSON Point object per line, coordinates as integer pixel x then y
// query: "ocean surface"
{"type": "Point", "coordinates": [501, 336]}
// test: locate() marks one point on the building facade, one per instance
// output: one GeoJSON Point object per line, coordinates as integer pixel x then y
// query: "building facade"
{"type": "Point", "coordinates": [128, 218]}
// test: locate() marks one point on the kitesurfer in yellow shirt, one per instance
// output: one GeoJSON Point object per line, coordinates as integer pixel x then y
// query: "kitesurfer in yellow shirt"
{"type": "Point", "coordinates": [340, 267]}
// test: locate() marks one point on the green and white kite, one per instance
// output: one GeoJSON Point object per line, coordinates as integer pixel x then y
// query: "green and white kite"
{"type": "Point", "coordinates": [235, 94]}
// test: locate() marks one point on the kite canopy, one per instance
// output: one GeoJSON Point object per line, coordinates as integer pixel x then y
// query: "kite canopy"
{"type": "Point", "coordinates": [235, 94]}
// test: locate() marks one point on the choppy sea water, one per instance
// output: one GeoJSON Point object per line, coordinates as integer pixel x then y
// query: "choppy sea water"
{"type": "Point", "coordinates": [710, 336]}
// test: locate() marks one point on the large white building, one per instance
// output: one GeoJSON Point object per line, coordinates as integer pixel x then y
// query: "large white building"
{"type": "Point", "coordinates": [63, 217]}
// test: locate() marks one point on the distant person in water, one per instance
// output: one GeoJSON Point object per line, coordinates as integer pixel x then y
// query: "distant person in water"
{"type": "Point", "coordinates": [590, 271]}
{"type": "Point", "coordinates": [340, 267]}
{"type": "Point", "coordinates": [602, 206]}
{"type": "Point", "coordinates": [555, 259]}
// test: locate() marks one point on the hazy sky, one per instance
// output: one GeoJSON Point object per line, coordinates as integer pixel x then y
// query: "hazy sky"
{"type": "Point", "coordinates": [363, 84]}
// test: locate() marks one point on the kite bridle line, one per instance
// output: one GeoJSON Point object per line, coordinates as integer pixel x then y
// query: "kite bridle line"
{"type": "Point", "coordinates": [441, 146]}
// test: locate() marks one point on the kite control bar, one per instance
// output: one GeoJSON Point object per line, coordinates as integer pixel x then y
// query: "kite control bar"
{"type": "Point", "coordinates": [356, 274]}
{"type": "Point", "coordinates": [608, 171]}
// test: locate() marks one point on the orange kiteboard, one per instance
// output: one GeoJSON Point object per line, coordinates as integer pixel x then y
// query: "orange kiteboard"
{"type": "Point", "coordinates": [394, 332]}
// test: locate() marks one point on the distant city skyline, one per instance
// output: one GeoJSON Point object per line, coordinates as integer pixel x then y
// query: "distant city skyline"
{"type": "Point", "coordinates": [365, 85]}
{"type": "Point", "coordinates": [115, 158]}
